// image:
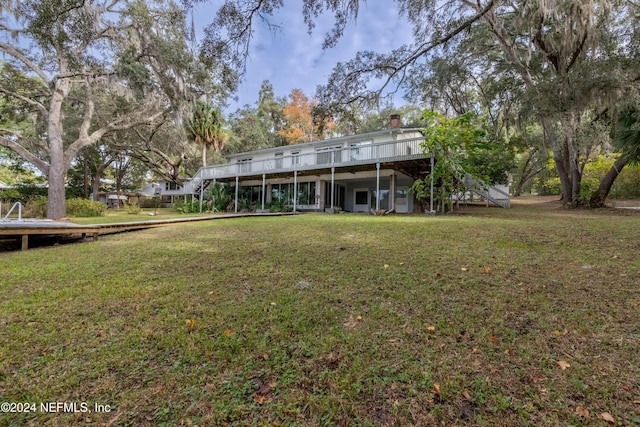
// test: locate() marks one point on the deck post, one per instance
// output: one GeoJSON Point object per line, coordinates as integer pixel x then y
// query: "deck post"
{"type": "Point", "coordinates": [392, 191]}
{"type": "Point", "coordinates": [431, 189]}
{"type": "Point", "coordinates": [264, 176]}
{"type": "Point", "coordinates": [236, 202]}
{"type": "Point", "coordinates": [201, 193]}
{"type": "Point", "coordinates": [333, 187]}
{"type": "Point", "coordinates": [377, 185]}
{"type": "Point", "coordinates": [25, 242]}
{"type": "Point", "coordinates": [295, 189]}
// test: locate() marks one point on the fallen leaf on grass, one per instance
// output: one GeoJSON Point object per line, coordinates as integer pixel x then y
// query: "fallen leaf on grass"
{"type": "Point", "coordinates": [352, 322]}
{"type": "Point", "coordinates": [463, 269]}
{"type": "Point", "coordinates": [260, 400]}
{"type": "Point", "coordinates": [608, 417]}
{"type": "Point", "coordinates": [190, 322]}
{"type": "Point", "coordinates": [563, 365]}
{"type": "Point", "coordinates": [436, 388]}
{"type": "Point", "coordinates": [492, 338]}
{"type": "Point", "coordinates": [386, 266]}
{"type": "Point", "coordinates": [431, 328]}
{"type": "Point", "coordinates": [265, 388]}
{"type": "Point", "coordinates": [583, 412]}
{"type": "Point", "coordinates": [227, 333]}
{"type": "Point", "coordinates": [487, 270]}
{"type": "Point", "coordinates": [466, 395]}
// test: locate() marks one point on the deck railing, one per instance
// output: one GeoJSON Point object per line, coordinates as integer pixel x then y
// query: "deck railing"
{"type": "Point", "coordinates": [322, 157]}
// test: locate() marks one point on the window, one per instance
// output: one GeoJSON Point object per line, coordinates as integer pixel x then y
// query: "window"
{"type": "Point", "coordinates": [361, 151]}
{"type": "Point", "coordinates": [244, 165]}
{"type": "Point", "coordinates": [295, 157]}
{"type": "Point", "coordinates": [384, 199]}
{"type": "Point", "coordinates": [307, 193]}
{"type": "Point", "coordinates": [361, 197]}
{"type": "Point", "coordinates": [328, 155]}
{"type": "Point", "coordinates": [282, 194]}
{"type": "Point", "coordinates": [171, 186]}
{"type": "Point", "coordinates": [251, 193]}
{"type": "Point", "coordinates": [279, 157]}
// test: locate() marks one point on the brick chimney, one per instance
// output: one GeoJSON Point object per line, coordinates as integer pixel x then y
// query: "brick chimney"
{"type": "Point", "coordinates": [395, 121]}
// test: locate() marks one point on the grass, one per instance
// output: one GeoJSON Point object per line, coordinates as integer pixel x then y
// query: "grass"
{"type": "Point", "coordinates": [490, 317]}
{"type": "Point", "coordinates": [119, 215]}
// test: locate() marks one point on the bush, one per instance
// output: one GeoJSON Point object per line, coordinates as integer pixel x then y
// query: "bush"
{"type": "Point", "coordinates": [188, 207]}
{"type": "Point", "coordinates": [35, 208]}
{"type": "Point", "coordinates": [132, 209]}
{"type": "Point", "coordinates": [23, 193]}
{"type": "Point", "coordinates": [84, 208]}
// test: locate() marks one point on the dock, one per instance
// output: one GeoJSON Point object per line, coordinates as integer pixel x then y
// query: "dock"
{"type": "Point", "coordinates": [22, 229]}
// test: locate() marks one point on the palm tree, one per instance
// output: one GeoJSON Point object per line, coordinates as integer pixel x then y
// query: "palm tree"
{"type": "Point", "coordinates": [205, 128]}
{"type": "Point", "coordinates": [627, 142]}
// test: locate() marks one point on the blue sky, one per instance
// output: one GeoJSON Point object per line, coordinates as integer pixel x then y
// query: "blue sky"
{"type": "Point", "coordinates": [293, 59]}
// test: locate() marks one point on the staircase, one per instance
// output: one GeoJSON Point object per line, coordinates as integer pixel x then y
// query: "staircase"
{"type": "Point", "coordinates": [491, 194]}
{"type": "Point", "coordinates": [198, 183]}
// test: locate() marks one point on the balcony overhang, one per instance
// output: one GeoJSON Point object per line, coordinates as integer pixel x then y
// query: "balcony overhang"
{"type": "Point", "coordinates": [414, 168]}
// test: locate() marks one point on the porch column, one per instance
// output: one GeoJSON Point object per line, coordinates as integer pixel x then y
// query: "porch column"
{"type": "Point", "coordinates": [431, 189]}
{"type": "Point", "coordinates": [236, 203]}
{"type": "Point", "coordinates": [295, 189]}
{"type": "Point", "coordinates": [201, 192]}
{"type": "Point", "coordinates": [263, 189]}
{"type": "Point", "coordinates": [333, 187]}
{"type": "Point", "coordinates": [377, 186]}
{"type": "Point", "coordinates": [392, 192]}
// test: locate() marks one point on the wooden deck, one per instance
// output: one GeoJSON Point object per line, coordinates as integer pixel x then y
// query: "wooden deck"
{"type": "Point", "coordinates": [22, 229]}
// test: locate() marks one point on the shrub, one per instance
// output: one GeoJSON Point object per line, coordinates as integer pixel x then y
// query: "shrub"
{"type": "Point", "coordinates": [35, 208]}
{"type": "Point", "coordinates": [84, 207]}
{"type": "Point", "coordinates": [188, 207]}
{"type": "Point", "coordinates": [132, 209]}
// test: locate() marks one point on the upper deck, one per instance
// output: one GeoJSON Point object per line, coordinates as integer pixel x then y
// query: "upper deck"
{"type": "Point", "coordinates": [360, 152]}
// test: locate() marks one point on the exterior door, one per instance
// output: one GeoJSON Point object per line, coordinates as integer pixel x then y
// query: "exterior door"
{"type": "Point", "coordinates": [361, 202]}
{"type": "Point", "coordinates": [402, 200]}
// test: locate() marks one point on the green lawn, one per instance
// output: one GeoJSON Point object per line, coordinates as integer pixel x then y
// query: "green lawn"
{"type": "Point", "coordinates": [490, 317]}
{"type": "Point", "coordinates": [120, 215]}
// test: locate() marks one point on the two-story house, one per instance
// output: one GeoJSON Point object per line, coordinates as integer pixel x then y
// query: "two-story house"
{"type": "Point", "coordinates": [355, 173]}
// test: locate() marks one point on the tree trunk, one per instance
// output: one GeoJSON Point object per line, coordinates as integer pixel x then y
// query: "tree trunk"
{"type": "Point", "coordinates": [204, 155]}
{"type": "Point", "coordinates": [560, 159]}
{"type": "Point", "coordinates": [97, 178]}
{"type": "Point", "coordinates": [85, 177]}
{"type": "Point", "coordinates": [56, 208]}
{"type": "Point", "coordinates": [600, 195]}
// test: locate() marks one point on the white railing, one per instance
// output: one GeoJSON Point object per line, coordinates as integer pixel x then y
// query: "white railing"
{"type": "Point", "coordinates": [345, 155]}
{"type": "Point", "coordinates": [19, 205]}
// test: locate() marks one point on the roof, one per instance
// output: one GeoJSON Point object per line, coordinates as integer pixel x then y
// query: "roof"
{"type": "Point", "coordinates": [323, 142]}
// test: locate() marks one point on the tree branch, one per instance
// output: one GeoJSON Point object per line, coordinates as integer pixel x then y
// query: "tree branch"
{"type": "Point", "coordinates": [120, 124]}
{"type": "Point", "coordinates": [29, 101]}
{"type": "Point", "coordinates": [25, 154]}
{"type": "Point", "coordinates": [12, 51]}
{"type": "Point", "coordinates": [347, 78]}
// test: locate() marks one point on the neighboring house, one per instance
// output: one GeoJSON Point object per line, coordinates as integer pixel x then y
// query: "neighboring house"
{"type": "Point", "coordinates": [117, 199]}
{"type": "Point", "coordinates": [169, 191]}
{"type": "Point", "coordinates": [355, 173]}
